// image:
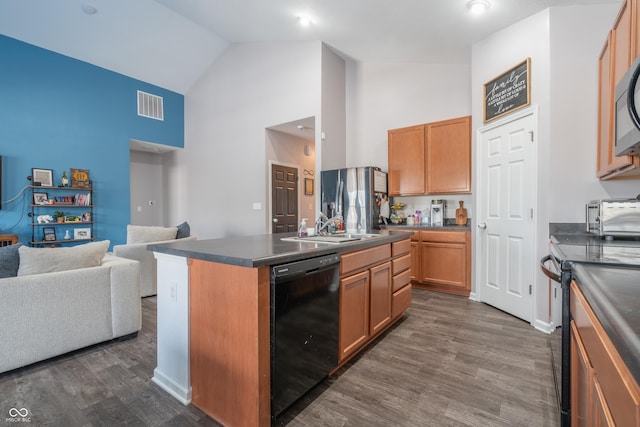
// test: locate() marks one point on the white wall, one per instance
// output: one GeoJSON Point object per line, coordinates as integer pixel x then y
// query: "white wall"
{"type": "Point", "coordinates": [575, 47]}
{"type": "Point", "coordinates": [383, 96]}
{"type": "Point", "coordinates": [249, 88]}
{"type": "Point", "coordinates": [333, 123]}
{"type": "Point", "coordinates": [563, 44]}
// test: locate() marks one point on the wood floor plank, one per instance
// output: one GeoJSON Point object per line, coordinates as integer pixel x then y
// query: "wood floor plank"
{"type": "Point", "coordinates": [449, 362]}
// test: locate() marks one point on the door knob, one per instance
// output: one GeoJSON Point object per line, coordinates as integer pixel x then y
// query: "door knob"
{"type": "Point", "coordinates": [482, 226]}
{"type": "Point", "coordinates": [275, 219]}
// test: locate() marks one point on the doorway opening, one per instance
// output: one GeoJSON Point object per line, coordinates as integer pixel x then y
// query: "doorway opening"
{"type": "Point", "coordinates": [290, 155]}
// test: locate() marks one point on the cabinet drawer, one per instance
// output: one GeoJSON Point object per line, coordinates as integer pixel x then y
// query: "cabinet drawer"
{"type": "Point", "coordinates": [401, 247]}
{"type": "Point", "coordinates": [401, 280]}
{"type": "Point", "coordinates": [618, 385]}
{"type": "Point", "coordinates": [402, 263]}
{"type": "Point", "coordinates": [444, 236]}
{"type": "Point", "coordinates": [357, 260]}
{"type": "Point", "coordinates": [400, 301]}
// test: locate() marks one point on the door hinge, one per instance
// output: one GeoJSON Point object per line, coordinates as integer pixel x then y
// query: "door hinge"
{"type": "Point", "coordinates": [531, 135]}
{"type": "Point", "coordinates": [531, 213]}
{"type": "Point", "coordinates": [530, 290]}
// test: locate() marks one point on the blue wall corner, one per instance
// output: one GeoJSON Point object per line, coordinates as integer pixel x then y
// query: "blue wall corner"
{"type": "Point", "coordinates": [59, 113]}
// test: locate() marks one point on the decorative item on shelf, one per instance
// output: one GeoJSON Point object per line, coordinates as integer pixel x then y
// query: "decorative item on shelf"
{"type": "Point", "coordinates": [308, 187]}
{"type": "Point", "coordinates": [82, 233]}
{"type": "Point", "coordinates": [59, 215]}
{"type": "Point", "coordinates": [80, 178]}
{"type": "Point", "coordinates": [64, 181]}
{"type": "Point", "coordinates": [40, 198]}
{"type": "Point", "coordinates": [49, 234]}
{"type": "Point", "coordinates": [42, 177]}
{"type": "Point", "coordinates": [67, 236]}
{"type": "Point", "coordinates": [72, 218]}
{"type": "Point", "coordinates": [86, 217]}
{"type": "Point", "coordinates": [44, 219]}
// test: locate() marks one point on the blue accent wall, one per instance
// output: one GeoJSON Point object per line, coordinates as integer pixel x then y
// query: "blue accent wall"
{"type": "Point", "coordinates": [59, 113]}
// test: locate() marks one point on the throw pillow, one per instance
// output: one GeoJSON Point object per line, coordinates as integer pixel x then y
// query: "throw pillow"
{"type": "Point", "coordinates": [48, 260]}
{"type": "Point", "coordinates": [183, 230]}
{"type": "Point", "coordinates": [9, 261]}
{"type": "Point", "coordinates": [146, 233]}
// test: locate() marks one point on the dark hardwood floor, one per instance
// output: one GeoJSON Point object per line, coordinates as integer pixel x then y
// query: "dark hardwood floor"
{"type": "Point", "coordinates": [450, 362]}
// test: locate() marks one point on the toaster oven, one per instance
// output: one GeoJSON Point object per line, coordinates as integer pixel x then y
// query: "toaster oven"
{"type": "Point", "coordinates": [613, 217]}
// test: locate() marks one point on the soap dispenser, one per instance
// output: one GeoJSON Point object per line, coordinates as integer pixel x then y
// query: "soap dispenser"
{"type": "Point", "coordinates": [302, 231]}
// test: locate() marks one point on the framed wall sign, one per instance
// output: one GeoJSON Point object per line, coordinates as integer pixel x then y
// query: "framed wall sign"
{"type": "Point", "coordinates": [308, 187]}
{"type": "Point", "coordinates": [42, 177]}
{"type": "Point", "coordinates": [49, 234]}
{"type": "Point", "coordinates": [81, 233]}
{"type": "Point", "coordinates": [80, 178]}
{"type": "Point", "coordinates": [508, 92]}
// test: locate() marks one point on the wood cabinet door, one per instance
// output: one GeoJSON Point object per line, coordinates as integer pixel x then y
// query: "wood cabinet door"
{"type": "Point", "coordinates": [602, 415]}
{"type": "Point", "coordinates": [581, 382]}
{"type": "Point", "coordinates": [415, 261]}
{"type": "Point", "coordinates": [354, 313]}
{"type": "Point", "coordinates": [621, 63]}
{"type": "Point", "coordinates": [443, 264]}
{"type": "Point", "coordinates": [406, 158]}
{"type": "Point", "coordinates": [448, 151]}
{"type": "Point", "coordinates": [605, 106]}
{"type": "Point", "coordinates": [380, 297]}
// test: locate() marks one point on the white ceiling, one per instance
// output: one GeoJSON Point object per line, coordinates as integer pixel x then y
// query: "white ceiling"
{"type": "Point", "coordinates": [170, 43]}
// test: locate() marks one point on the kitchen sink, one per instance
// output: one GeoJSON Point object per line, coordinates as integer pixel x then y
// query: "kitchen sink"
{"type": "Point", "coordinates": [332, 238]}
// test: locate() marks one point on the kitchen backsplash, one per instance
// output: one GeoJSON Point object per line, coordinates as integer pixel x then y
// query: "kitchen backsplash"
{"type": "Point", "coordinates": [423, 203]}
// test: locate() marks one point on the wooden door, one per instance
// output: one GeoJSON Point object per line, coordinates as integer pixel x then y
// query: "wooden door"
{"type": "Point", "coordinates": [406, 159]}
{"type": "Point", "coordinates": [354, 313]}
{"type": "Point", "coordinates": [380, 297]}
{"type": "Point", "coordinates": [284, 199]}
{"type": "Point", "coordinates": [448, 156]}
{"type": "Point", "coordinates": [506, 239]}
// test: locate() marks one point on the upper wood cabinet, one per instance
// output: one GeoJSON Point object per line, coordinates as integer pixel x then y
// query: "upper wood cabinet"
{"type": "Point", "coordinates": [619, 51]}
{"type": "Point", "coordinates": [407, 161]}
{"type": "Point", "coordinates": [433, 158]}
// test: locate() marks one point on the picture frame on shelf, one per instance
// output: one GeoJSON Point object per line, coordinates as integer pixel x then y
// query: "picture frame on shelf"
{"type": "Point", "coordinates": [40, 198]}
{"type": "Point", "coordinates": [82, 233]}
{"type": "Point", "coordinates": [86, 217]}
{"type": "Point", "coordinates": [49, 234]}
{"type": "Point", "coordinates": [42, 177]}
{"type": "Point", "coordinates": [80, 178]}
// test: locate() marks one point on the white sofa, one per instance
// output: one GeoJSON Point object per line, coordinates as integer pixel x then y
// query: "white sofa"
{"type": "Point", "coordinates": [48, 314]}
{"type": "Point", "coordinates": [139, 237]}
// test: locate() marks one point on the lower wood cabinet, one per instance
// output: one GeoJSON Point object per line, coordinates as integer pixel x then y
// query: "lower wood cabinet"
{"type": "Point", "coordinates": [374, 292]}
{"type": "Point", "coordinates": [603, 391]}
{"type": "Point", "coordinates": [442, 260]}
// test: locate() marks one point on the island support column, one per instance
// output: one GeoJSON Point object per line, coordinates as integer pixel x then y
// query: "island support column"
{"type": "Point", "coordinates": [172, 370]}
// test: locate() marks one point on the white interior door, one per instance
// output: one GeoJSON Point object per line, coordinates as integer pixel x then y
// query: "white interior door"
{"type": "Point", "coordinates": [506, 229]}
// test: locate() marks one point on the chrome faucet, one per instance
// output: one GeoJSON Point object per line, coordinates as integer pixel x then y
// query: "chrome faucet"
{"type": "Point", "coordinates": [323, 222]}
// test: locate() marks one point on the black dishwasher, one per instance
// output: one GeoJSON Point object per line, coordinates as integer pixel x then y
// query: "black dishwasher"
{"type": "Point", "coordinates": [304, 327]}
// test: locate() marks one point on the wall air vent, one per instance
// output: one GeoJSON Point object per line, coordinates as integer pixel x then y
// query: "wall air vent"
{"type": "Point", "coordinates": [150, 106]}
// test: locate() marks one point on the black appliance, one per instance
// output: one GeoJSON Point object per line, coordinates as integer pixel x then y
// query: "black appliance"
{"type": "Point", "coordinates": [627, 120]}
{"type": "Point", "coordinates": [304, 327]}
{"type": "Point", "coordinates": [566, 250]}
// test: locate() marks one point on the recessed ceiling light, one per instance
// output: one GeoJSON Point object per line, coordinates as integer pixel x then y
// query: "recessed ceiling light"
{"type": "Point", "coordinates": [478, 7]}
{"type": "Point", "coordinates": [304, 20]}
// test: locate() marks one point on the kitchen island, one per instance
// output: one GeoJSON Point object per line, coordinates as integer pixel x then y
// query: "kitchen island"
{"type": "Point", "coordinates": [214, 313]}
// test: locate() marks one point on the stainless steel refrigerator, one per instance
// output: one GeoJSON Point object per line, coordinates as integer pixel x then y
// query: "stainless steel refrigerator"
{"type": "Point", "coordinates": [356, 194]}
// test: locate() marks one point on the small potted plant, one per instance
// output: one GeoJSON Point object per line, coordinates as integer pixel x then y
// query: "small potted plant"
{"type": "Point", "coordinates": [59, 215]}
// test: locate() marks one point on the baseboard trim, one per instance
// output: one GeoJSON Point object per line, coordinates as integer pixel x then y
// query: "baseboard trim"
{"type": "Point", "coordinates": [167, 384]}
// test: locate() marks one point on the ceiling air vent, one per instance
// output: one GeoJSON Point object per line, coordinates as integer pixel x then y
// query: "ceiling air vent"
{"type": "Point", "coordinates": [150, 106]}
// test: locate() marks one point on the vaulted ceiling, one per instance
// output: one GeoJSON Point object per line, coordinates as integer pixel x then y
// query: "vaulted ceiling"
{"type": "Point", "coordinates": [170, 43]}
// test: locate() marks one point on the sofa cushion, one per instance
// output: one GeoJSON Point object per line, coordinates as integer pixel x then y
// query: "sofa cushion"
{"type": "Point", "coordinates": [147, 233]}
{"type": "Point", "coordinates": [9, 261]}
{"type": "Point", "coordinates": [48, 260]}
{"type": "Point", "coordinates": [183, 230]}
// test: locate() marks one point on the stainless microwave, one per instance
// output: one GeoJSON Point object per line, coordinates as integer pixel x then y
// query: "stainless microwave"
{"type": "Point", "coordinates": [627, 104]}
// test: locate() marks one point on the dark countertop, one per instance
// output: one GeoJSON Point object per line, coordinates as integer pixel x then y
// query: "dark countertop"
{"type": "Point", "coordinates": [608, 273]}
{"type": "Point", "coordinates": [267, 249]}
{"type": "Point", "coordinates": [614, 295]}
{"type": "Point", "coordinates": [447, 226]}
